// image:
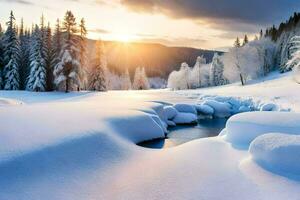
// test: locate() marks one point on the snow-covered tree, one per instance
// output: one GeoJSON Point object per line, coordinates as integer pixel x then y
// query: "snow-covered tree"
{"type": "Point", "coordinates": [24, 55]}
{"type": "Point", "coordinates": [82, 51]}
{"type": "Point", "coordinates": [98, 80]}
{"type": "Point", "coordinates": [237, 42]}
{"type": "Point", "coordinates": [216, 71]}
{"type": "Point", "coordinates": [11, 56]}
{"type": "Point", "coordinates": [37, 77]}
{"type": "Point", "coordinates": [57, 43]}
{"type": "Point", "coordinates": [294, 62]}
{"type": "Point", "coordinates": [140, 81]}
{"type": "Point", "coordinates": [1, 55]}
{"type": "Point", "coordinates": [246, 40]}
{"type": "Point", "coordinates": [49, 57]}
{"type": "Point", "coordinates": [125, 81]}
{"type": "Point", "coordinates": [67, 72]}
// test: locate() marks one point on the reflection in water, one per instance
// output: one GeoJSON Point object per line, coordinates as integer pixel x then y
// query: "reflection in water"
{"type": "Point", "coordinates": [182, 134]}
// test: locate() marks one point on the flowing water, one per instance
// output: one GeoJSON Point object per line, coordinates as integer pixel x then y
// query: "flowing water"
{"type": "Point", "coordinates": [182, 134]}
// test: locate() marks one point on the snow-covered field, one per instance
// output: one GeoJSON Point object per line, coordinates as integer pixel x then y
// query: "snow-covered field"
{"type": "Point", "coordinates": [82, 145]}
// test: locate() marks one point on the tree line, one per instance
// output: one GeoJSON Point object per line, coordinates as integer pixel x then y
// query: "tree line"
{"type": "Point", "coordinates": [41, 59]}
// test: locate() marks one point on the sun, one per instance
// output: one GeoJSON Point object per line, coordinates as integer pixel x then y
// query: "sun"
{"type": "Point", "coordinates": [125, 38]}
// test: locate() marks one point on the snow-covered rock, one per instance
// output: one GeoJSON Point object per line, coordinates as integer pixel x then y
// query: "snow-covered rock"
{"type": "Point", "coordinates": [185, 118]}
{"type": "Point", "coordinates": [170, 123]}
{"type": "Point", "coordinates": [204, 109]}
{"type": "Point", "coordinates": [269, 107]}
{"type": "Point", "coordinates": [243, 128]}
{"type": "Point", "coordinates": [169, 112]}
{"type": "Point", "coordinates": [220, 109]}
{"type": "Point", "coordinates": [186, 108]}
{"type": "Point", "coordinates": [244, 109]}
{"type": "Point", "coordinates": [278, 152]}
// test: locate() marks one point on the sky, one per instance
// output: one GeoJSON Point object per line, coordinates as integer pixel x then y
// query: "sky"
{"type": "Point", "coordinates": [206, 24]}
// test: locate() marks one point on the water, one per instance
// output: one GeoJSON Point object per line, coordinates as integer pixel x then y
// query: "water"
{"type": "Point", "coordinates": [182, 134]}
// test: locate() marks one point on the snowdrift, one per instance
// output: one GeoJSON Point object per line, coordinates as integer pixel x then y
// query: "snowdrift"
{"type": "Point", "coordinates": [243, 128]}
{"type": "Point", "coordinates": [278, 152]}
{"type": "Point", "coordinates": [10, 102]}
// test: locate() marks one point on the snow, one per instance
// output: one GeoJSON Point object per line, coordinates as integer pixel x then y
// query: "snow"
{"type": "Point", "coordinates": [278, 152]}
{"type": "Point", "coordinates": [185, 118]}
{"type": "Point", "coordinates": [205, 109]}
{"type": "Point", "coordinates": [243, 128]}
{"type": "Point", "coordinates": [83, 145]}
{"type": "Point", "coordinates": [269, 107]}
{"type": "Point", "coordinates": [11, 102]}
{"type": "Point", "coordinates": [186, 108]}
{"type": "Point", "coordinates": [220, 109]}
{"type": "Point", "coordinates": [170, 112]}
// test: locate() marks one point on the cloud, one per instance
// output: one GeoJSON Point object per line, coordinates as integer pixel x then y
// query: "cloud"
{"type": "Point", "coordinates": [99, 30]}
{"type": "Point", "coordinates": [24, 2]}
{"type": "Point", "coordinates": [237, 13]}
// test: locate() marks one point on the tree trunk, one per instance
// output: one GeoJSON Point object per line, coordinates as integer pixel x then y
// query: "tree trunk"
{"type": "Point", "coordinates": [242, 80]}
{"type": "Point", "coordinates": [67, 85]}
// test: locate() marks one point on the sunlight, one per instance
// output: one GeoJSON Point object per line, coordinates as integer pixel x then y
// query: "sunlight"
{"type": "Point", "coordinates": [125, 38]}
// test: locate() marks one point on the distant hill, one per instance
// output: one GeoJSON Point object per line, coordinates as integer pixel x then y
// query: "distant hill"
{"type": "Point", "coordinates": [158, 60]}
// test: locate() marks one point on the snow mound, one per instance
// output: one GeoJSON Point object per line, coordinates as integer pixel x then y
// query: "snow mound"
{"type": "Point", "coordinates": [10, 102]}
{"type": "Point", "coordinates": [186, 108]}
{"type": "Point", "coordinates": [169, 112]}
{"type": "Point", "coordinates": [205, 109]}
{"type": "Point", "coordinates": [220, 109]}
{"type": "Point", "coordinates": [185, 118]}
{"type": "Point", "coordinates": [244, 109]}
{"type": "Point", "coordinates": [269, 107]}
{"type": "Point", "coordinates": [243, 128]}
{"type": "Point", "coordinates": [278, 152]}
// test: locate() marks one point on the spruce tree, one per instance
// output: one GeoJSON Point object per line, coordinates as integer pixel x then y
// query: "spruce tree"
{"type": "Point", "coordinates": [237, 42]}
{"type": "Point", "coordinates": [37, 77]}
{"type": "Point", "coordinates": [82, 50]}
{"type": "Point", "coordinates": [98, 77]}
{"type": "Point", "coordinates": [67, 71]}
{"type": "Point", "coordinates": [57, 43]}
{"type": "Point", "coordinates": [126, 82]}
{"type": "Point", "coordinates": [49, 57]}
{"type": "Point", "coordinates": [246, 40]}
{"type": "Point", "coordinates": [11, 56]}
{"type": "Point", "coordinates": [1, 55]}
{"type": "Point", "coordinates": [140, 81]}
{"type": "Point", "coordinates": [24, 55]}
{"type": "Point", "coordinates": [216, 73]}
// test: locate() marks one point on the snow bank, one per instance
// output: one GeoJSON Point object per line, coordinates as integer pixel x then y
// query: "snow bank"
{"type": "Point", "coordinates": [269, 107]}
{"type": "Point", "coordinates": [204, 109]}
{"type": "Point", "coordinates": [278, 152]}
{"type": "Point", "coordinates": [186, 108]}
{"type": "Point", "coordinates": [243, 128]}
{"type": "Point", "coordinates": [220, 109]}
{"type": "Point", "coordinates": [169, 112]}
{"type": "Point", "coordinates": [185, 118]}
{"type": "Point", "coordinates": [10, 102]}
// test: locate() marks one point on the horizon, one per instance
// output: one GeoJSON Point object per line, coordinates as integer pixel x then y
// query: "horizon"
{"type": "Point", "coordinates": [170, 24]}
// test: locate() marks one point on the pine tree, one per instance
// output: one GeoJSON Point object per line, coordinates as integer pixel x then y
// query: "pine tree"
{"type": "Point", "coordinates": [294, 61]}
{"type": "Point", "coordinates": [216, 73]}
{"type": "Point", "coordinates": [1, 55]}
{"type": "Point", "coordinates": [246, 40]}
{"type": "Point", "coordinates": [57, 43]}
{"type": "Point", "coordinates": [24, 55]}
{"type": "Point", "coordinates": [67, 71]}
{"type": "Point", "coordinates": [98, 77]}
{"type": "Point", "coordinates": [11, 56]}
{"type": "Point", "coordinates": [82, 49]}
{"type": "Point", "coordinates": [261, 34]}
{"type": "Point", "coordinates": [37, 77]}
{"type": "Point", "coordinates": [237, 42]}
{"type": "Point", "coordinates": [140, 81]}
{"type": "Point", "coordinates": [126, 82]}
{"type": "Point", "coordinates": [49, 57]}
